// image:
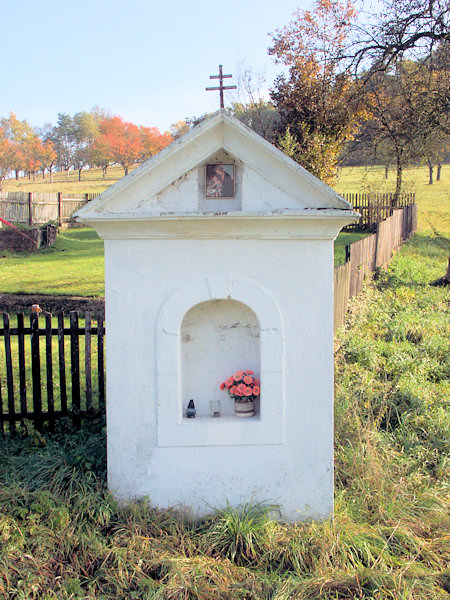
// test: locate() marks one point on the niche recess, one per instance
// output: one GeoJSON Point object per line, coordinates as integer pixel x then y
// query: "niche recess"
{"type": "Point", "coordinates": [207, 330]}
{"type": "Point", "coordinates": [218, 337]}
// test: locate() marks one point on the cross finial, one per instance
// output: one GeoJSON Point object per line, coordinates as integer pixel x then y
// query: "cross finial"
{"type": "Point", "coordinates": [221, 87]}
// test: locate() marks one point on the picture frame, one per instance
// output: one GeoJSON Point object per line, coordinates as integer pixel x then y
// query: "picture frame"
{"type": "Point", "coordinates": [220, 181]}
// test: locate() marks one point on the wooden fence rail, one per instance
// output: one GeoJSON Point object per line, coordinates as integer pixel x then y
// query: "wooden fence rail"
{"type": "Point", "coordinates": [36, 207]}
{"type": "Point", "coordinates": [51, 360]}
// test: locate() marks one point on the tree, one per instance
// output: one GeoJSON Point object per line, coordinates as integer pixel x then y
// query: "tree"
{"type": "Point", "coordinates": [120, 142]}
{"type": "Point", "coordinates": [6, 156]}
{"type": "Point", "coordinates": [250, 105]}
{"type": "Point", "coordinates": [63, 139]}
{"type": "Point", "coordinates": [153, 141]}
{"type": "Point", "coordinates": [318, 101]}
{"type": "Point", "coordinates": [85, 130]}
{"type": "Point", "coordinates": [22, 137]}
{"type": "Point", "coordinates": [411, 29]}
{"type": "Point", "coordinates": [178, 129]}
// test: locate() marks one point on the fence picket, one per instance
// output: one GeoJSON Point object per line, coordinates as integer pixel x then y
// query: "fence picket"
{"type": "Point", "coordinates": [62, 364]}
{"type": "Point", "coordinates": [87, 360]}
{"type": "Point", "coordinates": [22, 369]}
{"type": "Point", "coordinates": [75, 368]}
{"type": "Point", "coordinates": [9, 373]}
{"type": "Point", "coordinates": [101, 362]}
{"type": "Point", "coordinates": [49, 370]}
{"type": "Point", "coordinates": [36, 371]}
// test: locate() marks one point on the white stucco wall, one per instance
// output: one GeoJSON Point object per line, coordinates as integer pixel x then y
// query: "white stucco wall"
{"type": "Point", "coordinates": [297, 472]}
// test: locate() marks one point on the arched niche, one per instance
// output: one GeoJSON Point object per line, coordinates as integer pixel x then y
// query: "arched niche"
{"type": "Point", "coordinates": [199, 308]}
{"type": "Point", "coordinates": [218, 337]}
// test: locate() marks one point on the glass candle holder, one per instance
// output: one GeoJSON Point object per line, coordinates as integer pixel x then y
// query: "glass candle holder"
{"type": "Point", "coordinates": [214, 408]}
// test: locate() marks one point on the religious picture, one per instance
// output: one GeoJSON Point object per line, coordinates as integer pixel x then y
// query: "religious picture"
{"type": "Point", "coordinates": [220, 181]}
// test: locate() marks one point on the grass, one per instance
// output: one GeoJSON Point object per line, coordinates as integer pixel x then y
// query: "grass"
{"type": "Point", "coordinates": [91, 182]}
{"type": "Point", "coordinates": [62, 535]}
{"type": "Point", "coordinates": [73, 266]}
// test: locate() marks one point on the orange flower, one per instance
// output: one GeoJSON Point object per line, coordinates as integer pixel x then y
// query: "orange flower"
{"type": "Point", "coordinates": [241, 388]}
{"type": "Point", "coordinates": [238, 376]}
{"type": "Point", "coordinates": [248, 380]}
{"type": "Point", "coordinates": [233, 389]}
{"type": "Point", "coordinates": [248, 391]}
{"type": "Point", "coordinates": [222, 386]}
{"type": "Point", "coordinates": [248, 372]}
{"type": "Point", "coordinates": [256, 390]}
{"type": "Point", "coordinates": [256, 381]}
{"type": "Point", "coordinates": [238, 393]}
{"type": "Point", "coordinates": [229, 382]}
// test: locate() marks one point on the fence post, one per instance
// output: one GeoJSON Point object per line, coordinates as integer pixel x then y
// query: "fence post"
{"type": "Point", "coordinates": [36, 371]}
{"type": "Point", "coordinates": [59, 209]}
{"type": "Point", "coordinates": [30, 209]}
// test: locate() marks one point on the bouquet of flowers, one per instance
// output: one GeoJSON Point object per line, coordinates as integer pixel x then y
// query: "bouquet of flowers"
{"type": "Point", "coordinates": [242, 386]}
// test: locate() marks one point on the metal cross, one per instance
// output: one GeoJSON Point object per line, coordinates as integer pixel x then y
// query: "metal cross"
{"type": "Point", "coordinates": [221, 87]}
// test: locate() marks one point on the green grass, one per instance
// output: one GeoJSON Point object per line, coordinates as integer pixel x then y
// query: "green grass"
{"type": "Point", "coordinates": [63, 536]}
{"type": "Point", "coordinates": [74, 266]}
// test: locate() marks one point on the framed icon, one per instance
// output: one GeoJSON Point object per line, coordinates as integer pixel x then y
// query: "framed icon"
{"type": "Point", "coordinates": [220, 180]}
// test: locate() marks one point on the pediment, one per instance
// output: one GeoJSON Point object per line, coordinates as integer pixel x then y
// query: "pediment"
{"type": "Point", "coordinates": [173, 181]}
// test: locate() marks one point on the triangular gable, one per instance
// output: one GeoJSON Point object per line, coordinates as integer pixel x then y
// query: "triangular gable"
{"type": "Point", "coordinates": [147, 189]}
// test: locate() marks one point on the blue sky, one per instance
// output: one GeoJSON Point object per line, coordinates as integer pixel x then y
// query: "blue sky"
{"type": "Point", "coordinates": [144, 60]}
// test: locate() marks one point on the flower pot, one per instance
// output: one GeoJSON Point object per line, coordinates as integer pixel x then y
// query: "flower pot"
{"type": "Point", "coordinates": [244, 409]}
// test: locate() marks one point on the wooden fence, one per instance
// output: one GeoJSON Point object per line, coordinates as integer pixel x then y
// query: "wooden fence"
{"type": "Point", "coordinates": [31, 207]}
{"type": "Point", "coordinates": [376, 207]}
{"type": "Point", "coordinates": [54, 365]}
{"type": "Point", "coordinates": [56, 380]}
{"type": "Point", "coordinates": [366, 255]}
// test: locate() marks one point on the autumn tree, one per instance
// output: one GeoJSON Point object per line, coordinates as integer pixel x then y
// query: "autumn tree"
{"type": "Point", "coordinates": [153, 141]}
{"type": "Point", "coordinates": [120, 142]}
{"type": "Point", "coordinates": [6, 156]}
{"type": "Point", "coordinates": [22, 140]}
{"type": "Point", "coordinates": [318, 104]}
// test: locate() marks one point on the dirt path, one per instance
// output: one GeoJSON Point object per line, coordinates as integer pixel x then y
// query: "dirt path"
{"type": "Point", "coordinates": [15, 303]}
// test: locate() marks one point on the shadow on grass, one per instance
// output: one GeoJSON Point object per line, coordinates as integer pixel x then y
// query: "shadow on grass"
{"type": "Point", "coordinates": [420, 257]}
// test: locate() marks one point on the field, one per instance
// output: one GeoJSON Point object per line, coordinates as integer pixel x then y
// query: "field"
{"type": "Point", "coordinates": [62, 535]}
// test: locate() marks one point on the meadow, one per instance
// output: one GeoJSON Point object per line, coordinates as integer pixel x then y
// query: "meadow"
{"type": "Point", "coordinates": [62, 535]}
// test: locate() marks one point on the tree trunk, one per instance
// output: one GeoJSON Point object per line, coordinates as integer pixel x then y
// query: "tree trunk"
{"type": "Point", "coordinates": [430, 172]}
{"type": "Point", "coordinates": [104, 172]}
{"type": "Point", "coordinates": [126, 170]}
{"type": "Point", "coordinates": [79, 173]}
{"type": "Point", "coordinates": [51, 175]}
{"type": "Point", "coordinates": [438, 172]}
{"type": "Point", "coordinates": [398, 185]}
{"type": "Point", "coordinates": [17, 175]}
{"type": "Point", "coordinates": [386, 171]}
